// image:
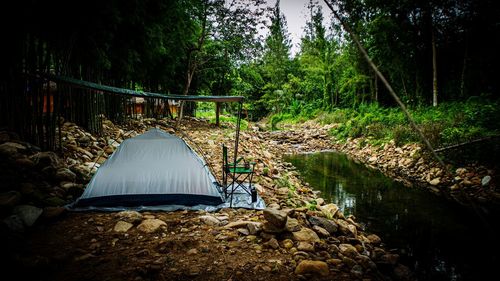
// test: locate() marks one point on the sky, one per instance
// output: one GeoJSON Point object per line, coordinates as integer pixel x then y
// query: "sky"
{"type": "Point", "coordinates": [295, 12]}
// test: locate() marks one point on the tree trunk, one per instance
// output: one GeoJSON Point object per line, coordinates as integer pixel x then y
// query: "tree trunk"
{"type": "Point", "coordinates": [434, 72]}
{"type": "Point", "coordinates": [462, 76]}
{"type": "Point", "coordinates": [404, 86]}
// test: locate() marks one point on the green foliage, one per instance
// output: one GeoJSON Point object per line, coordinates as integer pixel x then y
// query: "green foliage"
{"type": "Point", "coordinates": [312, 205]}
{"type": "Point", "coordinates": [284, 181]}
{"type": "Point", "coordinates": [446, 124]}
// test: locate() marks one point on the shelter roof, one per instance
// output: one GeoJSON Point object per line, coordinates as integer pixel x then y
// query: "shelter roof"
{"type": "Point", "coordinates": [132, 93]}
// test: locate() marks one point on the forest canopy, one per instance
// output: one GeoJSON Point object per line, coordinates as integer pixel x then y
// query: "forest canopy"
{"type": "Point", "coordinates": [446, 48]}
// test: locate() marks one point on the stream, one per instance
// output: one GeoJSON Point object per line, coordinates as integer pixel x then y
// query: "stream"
{"type": "Point", "coordinates": [436, 238]}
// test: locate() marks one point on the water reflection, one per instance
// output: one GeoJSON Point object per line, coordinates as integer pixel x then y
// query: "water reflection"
{"type": "Point", "coordinates": [438, 239]}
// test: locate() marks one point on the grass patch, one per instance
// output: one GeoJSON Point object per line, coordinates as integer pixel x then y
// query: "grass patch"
{"type": "Point", "coordinates": [446, 124]}
{"type": "Point", "coordinates": [223, 118]}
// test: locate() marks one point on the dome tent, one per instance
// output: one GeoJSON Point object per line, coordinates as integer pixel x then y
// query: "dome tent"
{"type": "Point", "coordinates": [155, 168]}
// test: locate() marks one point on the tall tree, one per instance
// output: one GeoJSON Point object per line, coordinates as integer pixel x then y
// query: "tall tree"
{"type": "Point", "coordinates": [276, 58]}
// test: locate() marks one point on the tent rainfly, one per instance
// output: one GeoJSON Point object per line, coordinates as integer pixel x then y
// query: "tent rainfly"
{"type": "Point", "coordinates": [155, 168]}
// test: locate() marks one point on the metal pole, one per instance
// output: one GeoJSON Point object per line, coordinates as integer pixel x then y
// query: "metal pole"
{"type": "Point", "coordinates": [236, 142]}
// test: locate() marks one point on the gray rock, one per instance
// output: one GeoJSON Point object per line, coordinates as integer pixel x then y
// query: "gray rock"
{"type": "Point", "coordinates": [357, 271]}
{"type": "Point", "coordinates": [305, 246]}
{"type": "Point", "coordinates": [54, 201]}
{"type": "Point", "coordinates": [192, 252]}
{"type": "Point", "coordinates": [325, 223]}
{"type": "Point", "coordinates": [271, 228]}
{"type": "Point", "coordinates": [486, 180]}
{"type": "Point", "coordinates": [64, 174]}
{"type": "Point", "coordinates": [366, 262]}
{"type": "Point", "coordinates": [389, 259]}
{"type": "Point", "coordinates": [151, 225]}
{"type": "Point", "coordinates": [312, 267]}
{"type": "Point", "coordinates": [122, 226]}
{"type": "Point", "coordinates": [435, 181]}
{"type": "Point", "coordinates": [132, 217]}
{"type": "Point", "coordinates": [276, 217]}
{"type": "Point", "coordinates": [287, 244]}
{"type": "Point", "coordinates": [292, 225]}
{"type": "Point", "coordinates": [24, 162]}
{"type": "Point", "coordinates": [349, 262]}
{"type": "Point", "coordinates": [28, 214]}
{"type": "Point", "coordinates": [321, 231]}
{"type": "Point", "coordinates": [14, 223]}
{"type": "Point", "coordinates": [254, 228]}
{"type": "Point", "coordinates": [272, 243]}
{"type": "Point", "coordinates": [210, 220]}
{"type": "Point", "coordinates": [84, 141]}
{"type": "Point", "coordinates": [9, 149]}
{"type": "Point", "coordinates": [346, 228]}
{"type": "Point", "coordinates": [46, 159]}
{"type": "Point", "coordinates": [305, 234]}
{"type": "Point", "coordinates": [9, 199]}
{"type": "Point", "coordinates": [235, 224]}
{"type": "Point", "coordinates": [374, 239]}
{"type": "Point", "coordinates": [243, 231]}
{"type": "Point", "coordinates": [348, 250]}
{"type": "Point", "coordinates": [329, 210]}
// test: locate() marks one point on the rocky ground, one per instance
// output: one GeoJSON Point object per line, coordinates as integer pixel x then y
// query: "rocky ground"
{"type": "Point", "coordinates": [41, 240]}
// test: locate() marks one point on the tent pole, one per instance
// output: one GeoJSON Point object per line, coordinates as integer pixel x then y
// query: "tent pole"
{"type": "Point", "coordinates": [236, 142]}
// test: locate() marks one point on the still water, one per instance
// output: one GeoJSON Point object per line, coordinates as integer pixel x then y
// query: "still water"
{"type": "Point", "coordinates": [437, 239]}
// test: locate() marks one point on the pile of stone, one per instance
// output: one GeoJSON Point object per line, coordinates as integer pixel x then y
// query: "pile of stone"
{"type": "Point", "coordinates": [321, 243]}
{"type": "Point", "coordinates": [35, 184]}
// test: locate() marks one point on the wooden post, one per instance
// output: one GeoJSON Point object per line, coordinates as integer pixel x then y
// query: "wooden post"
{"type": "Point", "coordinates": [217, 113]}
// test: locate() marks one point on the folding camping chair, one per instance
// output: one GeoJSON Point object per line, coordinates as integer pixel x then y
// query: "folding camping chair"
{"type": "Point", "coordinates": [235, 175]}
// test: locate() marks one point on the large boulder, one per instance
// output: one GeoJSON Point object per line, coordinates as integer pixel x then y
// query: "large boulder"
{"type": "Point", "coordinates": [27, 213]}
{"type": "Point", "coordinates": [122, 226]}
{"type": "Point", "coordinates": [327, 224]}
{"type": "Point", "coordinates": [306, 235]}
{"type": "Point", "coordinates": [329, 210]}
{"type": "Point", "coordinates": [210, 220]}
{"type": "Point", "coordinates": [46, 159]}
{"type": "Point", "coordinates": [292, 225]}
{"type": "Point", "coordinates": [276, 217]}
{"type": "Point", "coordinates": [10, 149]}
{"type": "Point", "coordinates": [151, 225]}
{"type": "Point", "coordinates": [348, 250]}
{"type": "Point", "coordinates": [132, 217]}
{"type": "Point", "coordinates": [65, 174]}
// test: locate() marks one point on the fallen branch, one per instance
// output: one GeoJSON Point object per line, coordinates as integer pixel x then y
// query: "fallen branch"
{"type": "Point", "coordinates": [464, 143]}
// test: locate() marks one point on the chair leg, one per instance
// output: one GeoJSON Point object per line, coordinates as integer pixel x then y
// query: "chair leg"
{"type": "Point", "coordinates": [252, 189]}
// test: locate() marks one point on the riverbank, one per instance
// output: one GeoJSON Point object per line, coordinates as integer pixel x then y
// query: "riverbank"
{"type": "Point", "coordinates": [297, 237]}
{"type": "Point", "coordinates": [472, 184]}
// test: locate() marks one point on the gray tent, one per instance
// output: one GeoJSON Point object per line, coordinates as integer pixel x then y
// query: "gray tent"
{"type": "Point", "coordinates": [154, 168]}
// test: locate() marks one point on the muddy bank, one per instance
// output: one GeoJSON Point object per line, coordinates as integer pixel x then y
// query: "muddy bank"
{"type": "Point", "coordinates": [293, 239]}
